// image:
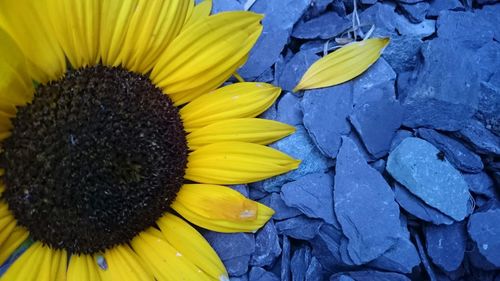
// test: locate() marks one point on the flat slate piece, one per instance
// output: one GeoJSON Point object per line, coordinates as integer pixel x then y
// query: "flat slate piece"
{"type": "Point", "coordinates": [364, 205]}
{"type": "Point", "coordinates": [446, 245]}
{"type": "Point", "coordinates": [484, 229]}
{"type": "Point", "coordinates": [415, 163]}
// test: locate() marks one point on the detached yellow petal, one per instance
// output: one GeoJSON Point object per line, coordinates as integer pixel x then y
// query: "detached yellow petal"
{"type": "Point", "coordinates": [200, 12]}
{"type": "Point", "coordinates": [206, 54]}
{"type": "Point", "coordinates": [220, 208]}
{"type": "Point", "coordinates": [83, 267]}
{"type": "Point", "coordinates": [24, 21]}
{"type": "Point", "coordinates": [163, 260]}
{"type": "Point", "coordinates": [124, 264]}
{"type": "Point", "coordinates": [192, 245]}
{"type": "Point", "coordinates": [254, 130]}
{"type": "Point", "coordinates": [16, 238]}
{"type": "Point", "coordinates": [236, 163]}
{"type": "Point", "coordinates": [153, 26]}
{"type": "Point", "coordinates": [343, 64]}
{"type": "Point", "coordinates": [239, 100]}
{"type": "Point", "coordinates": [16, 86]}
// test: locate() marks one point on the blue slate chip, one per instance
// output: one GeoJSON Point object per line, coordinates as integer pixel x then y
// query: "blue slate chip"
{"type": "Point", "coordinates": [489, 105]}
{"type": "Point", "coordinates": [234, 249]}
{"type": "Point", "coordinates": [280, 17]}
{"type": "Point", "coordinates": [458, 155]}
{"type": "Point", "coordinates": [295, 68]}
{"type": "Point", "coordinates": [326, 248]}
{"type": "Point", "coordinates": [289, 110]}
{"type": "Point", "coordinates": [415, 206]}
{"type": "Point", "coordinates": [470, 29]}
{"type": "Point", "coordinates": [402, 257]}
{"type": "Point", "coordinates": [300, 146]}
{"type": "Point", "coordinates": [417, 30]}
{"type": "Point", "coordinates": [314, 271]}
{"type": "Point", "coordinates": [326, 26]}
{"type": "Point", "coordinates": [379, 76]}
{"type": "Point", "coordinates": [484, 230]}
{"type": "Point", "coordinates": [299, 227]}
{"type": "Point", "coordinates": [425, 259]}
{"type": "Point", "coordinates": [382, 16]}
{"type": "Point", "coordinates": [364, 205]}
{"type": "Point", "coordinates": [480, 138]}
{"type": "Point", "coordinates": [443, 5]}
{"type": "Point", "coordinates": [300, 261]}
{"type": "Point", "coordinates": [481, 184]}
{"type": "Point", "coordinates": [399, 137]}
{"type": "Point", "coordinates": [219, 6]}
{"type": "Point", "coordinates": [267, 247]}
{"type": "Point", "coordinates": [371, 275]}
{"type": "Point", "coordinates": [446, 245]}
{"type": "Point", "coordinates": [260, 274]}
{"type": "Point", "coordinates": [312, 195]}
{"type": "Point", "coordinates": [415, 12]}
{"type": "Point", "coordinates": [285, 259]}
{"type": "Point", "coordinates": [415, 163]}
{"type": "Point", "coordinates": [325, 116]}
{"type": "Point", "coordinates": [282, 211]}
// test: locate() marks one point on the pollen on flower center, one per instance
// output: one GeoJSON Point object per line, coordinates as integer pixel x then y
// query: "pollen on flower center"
{"type": "Point", "coordinates": [94, 159]}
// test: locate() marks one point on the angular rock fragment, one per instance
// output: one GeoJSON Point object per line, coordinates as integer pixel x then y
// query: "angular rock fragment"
{"type": "Point", "coordinates": [484, 230]}
{"type": "Point", "coordinates": [267, 247]}
{"type": "Point", "coordinates": [446, 245]}
{"type": "Point", "coordinates": [299, 227]}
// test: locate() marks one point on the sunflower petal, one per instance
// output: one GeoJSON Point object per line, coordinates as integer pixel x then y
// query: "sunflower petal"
{"type": "Point", "coordinates": [204, 55]}
{"type": "Point", "coordinates": [115, 18]}
{"type": "Point", "coordinates": [153, 25]}
{"type": "Point", "coordinates": [76, 26]}
{"type": "Point", "coordinates": [200, 12]}
{"type": "Point", "coordinates": [163, 259]}
{"type": "Point", "coordinates": [343, 64]}
{"type": "Point", "coordinates": [22, 20]}
{"type": "Point", "coordinates": [124, 264]}
{"type": "Point", "coordinates": [238, 100]}
{"type": "Point", "coordinates": [83, 268]}
{"type": "Point", "coordinates": [192, 245]}
{"type": "Point", "coordinates": [220, 208]}
{"type": "Point", "coordinates": [236, 163]}
{"type": "Point", "coordinates": [16, 238]}
{"type": "Point", "coordinates": [16, 87]}
{"type": "Point", "coordinates": [254, 130]}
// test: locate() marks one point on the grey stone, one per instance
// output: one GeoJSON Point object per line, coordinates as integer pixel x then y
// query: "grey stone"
{"type": "Point", "coordinates": [299, 146]}
{"type": "Point", "coordinates": [260, 274]}
{"type": "Point", "coordinates": [237, 266]}
{"type": "Point", "coordinates": [405, 27]}
{"type": "Point", "coordinates": [231, 245]}
{"type": "Point", "coordinates": [484, 230]}
{"type": "Point", "coordinates": [325, 116]}
{"type": "Point", "coordinates": [417, 207]}
{"type": "Point", "coordinates": [414, 163]}
{"type": "Point", "coordinates": [299, 263]}
{"type": "Point", "coordinates": [402, 53]}
{"type": "Point", "coordinates": [267, 247]}
{"type": "Point", "coordinates": [425, 259]}
{"type": "Point", "coordinates": [219, 6]}
{"type": "Point", "coordinates": [325, 26]}
{"type": "Point", "coordinates": [314, 271]}
{"type": "Point", "coordinates": [399, 137]}
{"type": "Point", "coordinates": [382, 16]}
{"type": "Point", "coordinates": [489, 106]}
{"type": "Point", "coordinates": [380, 76]}
{"type": "Point", "coordinates": [295, 68]}
{"type": "Point", "coordinates": [438, 101]}
{"type": "Point", "coordinates": [465, 28]}
{"type": "Point", "coordinates": [364, 205]}
{"type": "Point", "coordinates": [481, 184]}
{"type": "Point", "coordinates": [299, 227]}
{"type": "Point", "coordinates": [319, 46]}
{"type": "Point", "coordinates": [446, 245]}
{"type": "Point", "coordinates": [289, 110]}
{"type": "Point", "coordinates": [285, 259]}
{"type": "Point", "coordinates": [371, 275]}
{"type": "Point", "coordinates": [280, 17]}
{"type": "Point", "coordinates": [282, 211]}
{"type": "Point", "coordinates": [379, 165]}
{"type": "Point", "coordinates": [326, 248]}
{"type": "Point", "coordinates": [480, 138]}
{"type": "Point", "coordinates": [312, 195]}
{"type": "Point", "coordinates": [490, 14]}
{"type": "Point", "coordinates": [415, 12]}
{"type": "Point", "coordinates": [442, 5]}
{"type": "Point", "coordinates": [402, 257]}
{"type": "Point", "coordinates": [458, 155]}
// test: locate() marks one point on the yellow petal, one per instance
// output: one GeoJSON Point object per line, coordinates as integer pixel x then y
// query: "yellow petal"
{"type": "Point", "coordinates": [83, 268]}
{"type": "Point", "coordinates": [76, 26]}
{"type": "Point", "coordinates": [24, 21]}
{"type": "Point", "coordinates": [36, 264]}
{"type": "Point", "coordinates": [115, 19]}
{"type": "Point", "coordinates": [254, 130]}
{"type": "Point", "coordinates": [16, 87]}
{"type": "Point", "coordinates": [343, 64]}
{"type": "Point", "coordinates": [59, 265]}
{"type": "Point", "coordinates": [16, 238]}
{"type": "Point", "coordinates": [163, 260]}
{"type": "Point", "coordinates": [7, 222]}
{"type": "Point", "coordinates": [192, 245]}
{"type": "Point", "coordinates": [220, 208]}
{"type": "Point", "coordinates": [2, 185]}
{"type": "Point", "coordinates": [238, 100]}
{"type": "Point", "coordinates": [204, 55]}
{"type": "Point", "coordinates": [124, 264]}
{"type": "Point", "coordinates": [200, 12]}
{"type": "Point", "coordinates": [5, 122]}
{"type": "Point", "coordinates": [236, 163]}
{"type": "Point", "coordinates": [153, 25]}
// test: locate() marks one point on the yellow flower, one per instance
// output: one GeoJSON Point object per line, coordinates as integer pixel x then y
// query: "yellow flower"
{"type": "Point", "coordinates": [112, 124]}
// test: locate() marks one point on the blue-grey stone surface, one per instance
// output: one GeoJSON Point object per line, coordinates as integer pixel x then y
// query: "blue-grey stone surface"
{"type": "Point", "coordinates": [280, 18]}
{"type": "Point", "coordinates": [481, 184]}
{"type": "Point", "coordinates": [300, 227]}
{"type": "Point", "coordinates": [325, 116]}
{"type": "Point", "coordinates": [402, 257]}
{"type": "Point", "coordinates": [285, 258]}
{"type": "Point", "coordinates": [415, 164]}
{"type": "Point", "coordinates": [326, 248]}
{"type": "Point", "coordinates": [402, 53]}
{"type": "Point", "coordinates": [489, 106]}
{"type": "Point", "coordinates": [325, 26]}
{"type": "Point", "coordinates": [415, 12]}
{"type": "Point", "coordinates": [289, 110]}
{"type": "Point", "coordinates": [282, 211]}
{"type": "Point", "coordinates": [314, 271]}
{"type": "Point", "coordinates": [380, 77]}
{"type": "Point", "coordinates": [458, 155]}
{"type": "Point", "coordinates": [425, 259]}
{"type": "Point", "coordinates": [443, 5]}
{"type": "Point", "coordinates": [484, 230]}
{"type": "Point", "coordinates": [219, 6]}
{"type": "Point", "coordinates": [312, 195]}
{"type": "Point", "coordinates": [295, 68]}
{"type": "Point", "coordinates": [446, 244]}
{"type": "Point", "coordinates": [400, 135]}
{"type": "Point", "coordinates": [234, 249]}
{"type": "Point", "coordinates": [371, 275]}
{"type": "Point", "coordinates": [467, 28]}
{"type": "Point", "coordinates": [417, 207]}
{"type": "Point", "coordinates": [480, 138]}
{"type": "Point", "coordinates": [364, 205]}
{"type": "Point", "coordinates": [420, 30]}
{"type": "Point", "coordinates": [267, 247]}
{"type": "Point", "coordinates": [382, 16]}
{"type": "Point", "coordinates": [260, 274]}
{"type": "Point", "coordinates": [299, 263]}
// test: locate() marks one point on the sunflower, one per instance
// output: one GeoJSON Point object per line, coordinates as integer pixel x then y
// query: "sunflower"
{"type": "Point", "coordinates": [113, 127]}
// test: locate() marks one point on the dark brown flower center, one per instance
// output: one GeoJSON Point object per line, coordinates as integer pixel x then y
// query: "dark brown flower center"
{"type": "Point", "coordinates": [94, 159]}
